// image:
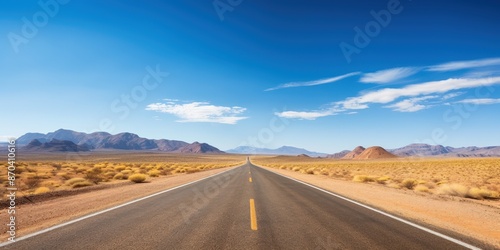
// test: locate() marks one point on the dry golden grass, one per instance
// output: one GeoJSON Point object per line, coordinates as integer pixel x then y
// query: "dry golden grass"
{"type": "Point", "coordinates": [138, 178]}
{"type": "Point", "coordinates": [40, 173]}
{"type": "Point", "coordinates": [476, 178]}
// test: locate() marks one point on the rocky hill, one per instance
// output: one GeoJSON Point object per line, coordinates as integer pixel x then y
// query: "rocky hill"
{"type": "Point", "coordinates": [354, 153]}
{"type": "Point", "coordinates": [375, 152]}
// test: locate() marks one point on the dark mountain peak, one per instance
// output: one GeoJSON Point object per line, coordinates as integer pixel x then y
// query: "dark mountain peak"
{"type": "Point", "coordinates": [197, 148]}
{"type": "Point", "coordinates": [126, 135]}
{"type": "Point", "coordinates": [34, 143]}
{"type": "Point", "coordinates": [55, 146]}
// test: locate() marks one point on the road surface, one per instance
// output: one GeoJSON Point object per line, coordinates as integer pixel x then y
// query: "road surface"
{"type": "Point", "coordinates": [244, 208]}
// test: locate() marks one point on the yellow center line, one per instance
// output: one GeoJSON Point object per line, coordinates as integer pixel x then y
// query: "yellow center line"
{"type": "Point", "coordinates": [253, 215]}
{"type": "Point", "coordinates": [250, 179]}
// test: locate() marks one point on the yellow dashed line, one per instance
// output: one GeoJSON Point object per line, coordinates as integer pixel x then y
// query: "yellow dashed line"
{"type": "Point", "coordinates": [253, 215]}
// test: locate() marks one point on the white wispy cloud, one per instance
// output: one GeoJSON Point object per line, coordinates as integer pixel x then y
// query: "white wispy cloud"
{"type": "Point", "coordinates": [480, 101]}
{"type": "Point", "coordinates": [303, 115]}
{"type": "Point", "coordinates": [389, 75]}
{"type": "Point", "coordinates": [388, 95]}
{"type": "Point", "coordinates": [412, 104]}
{"type": "Point", "coordinates": [452, 95]}
{"type": "Point", "coordinates": [458, 65]}
{"type": "Point", "coordinates": [313, 83]}
{"type": "Point", "coordinates": [200, 112]}
{"type": "Point", "coordinates": [415, 94]}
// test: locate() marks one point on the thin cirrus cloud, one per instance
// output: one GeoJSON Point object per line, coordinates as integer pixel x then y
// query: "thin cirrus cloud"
{"type": "Point", "coordinates": [312, 83]}
{"type": "Point", "coordinates": [388, 95]}
{"type": "Point", "coordinates": [480, 101]}
{"type": "Point", "coordinates": [416, 94]}
{"type": "Point", "coordinates": [200, 112]}
{"type": "Point", "coordinates": [458, 65]}
{"type": "Point", "coordinates": [389, 75]}
{"type": "Point", "coordinates": [411, 104]}
{"type": "Point", "coordinates": [303, 115]}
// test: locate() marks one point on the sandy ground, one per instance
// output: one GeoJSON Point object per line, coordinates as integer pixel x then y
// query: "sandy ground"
{"type": "Point", "coordinates": [33, 217]}
{"type": "Point", "coordinates": [477, 219]}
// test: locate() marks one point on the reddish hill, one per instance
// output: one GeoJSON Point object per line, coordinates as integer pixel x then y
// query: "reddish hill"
{"type": "Point", "coordinates": [375, 152]}
{"type": "Point", "coordinates": [198, 148]}
{"type": "Point", "coordinates": [353, 154]}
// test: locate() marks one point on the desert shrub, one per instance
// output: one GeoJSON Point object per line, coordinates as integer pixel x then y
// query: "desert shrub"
{"type": "Point", "coordinates": [63, 175]}
{"type": "Point", "coordinates": [453, 190]}
{"type": "Point", "coordinates": [296, 169]}
{"type": "Point", "coordinates": [166, 172]}
{"type": "Point", "coordinates": [154, 173]}
{"type": "Point", "coordinates": [383, 179]}
{"type": "Point", "coordinates": [82, 184]}
{"type": "Point", "coordinates": [421, 188]}
{"type": "Point", "coordinates": [57, 166]}
{"type": "Point", "coordinates": [94, 175]}
{"type": "Point", "coordinates": [72, 181]}
{"type": "Point", "coordinates": [19, 170]}
{"type": "Point", "coordinates": [310, 171]}
{"type": "Point", "coordinates": [409, 183]}
{"type": "Point", "coordinates": [120, 167]}
{"type": "Point", "coordinates": [81, 169]}
{"type": "Point", "coordinates": [119, 176]}
{"type": "Point", "coordinates": [42, 190]}
{"type": "Point", "coordinates": [110, 174]}
{"type": "Point", "coordinates": [282, 167]}
{"type": "Point", "coordinates": [363, 178]}
{"type": "Point", "coordinates": [44, 175]}
{"type": "Point", "coordinates": [126, 171]}
{"type": "Point", "coordinates": [480, 193]}
{"type": "Point", "coordinates": [137, 178]}
{"type": "Point", "coordinates": [32, 181]}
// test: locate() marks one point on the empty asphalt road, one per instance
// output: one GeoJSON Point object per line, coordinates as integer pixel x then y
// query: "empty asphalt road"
{"type": "Point", "coordinates": [244, 208]}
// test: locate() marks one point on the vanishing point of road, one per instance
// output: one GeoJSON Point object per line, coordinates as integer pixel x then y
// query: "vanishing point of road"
{"type": "Point", "coordinates": [246, 207]}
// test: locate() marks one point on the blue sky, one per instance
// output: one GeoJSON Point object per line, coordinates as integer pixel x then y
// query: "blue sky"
{"type": "Point", "coordinates": [322, 75]}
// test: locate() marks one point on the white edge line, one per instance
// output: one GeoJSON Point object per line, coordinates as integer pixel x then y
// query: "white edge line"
{"type": "Point", "coordinates": [107, 210]}
{"type": "Point", "coordinates": [446, 237]}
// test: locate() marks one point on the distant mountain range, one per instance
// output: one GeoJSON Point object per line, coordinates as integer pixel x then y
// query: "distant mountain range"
{"type": "Point", "coordinates": [425, 150]}
{"type": "Point", "coordinates": [285, 150]}
{"type": "Point", "coordinates": [439, 150]}
{"type": "Point", "coordinates": [62, 140]}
